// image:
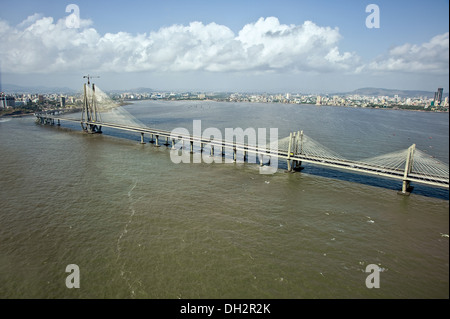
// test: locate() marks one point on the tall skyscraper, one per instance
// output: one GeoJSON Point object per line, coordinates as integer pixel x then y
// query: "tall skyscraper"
{"type": "Point", "coordinates": [62, 101]}
{"type": "Point", "coordinates": [438, 97]}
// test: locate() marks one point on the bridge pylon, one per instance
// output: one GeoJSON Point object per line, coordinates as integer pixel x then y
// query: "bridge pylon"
{"type": "Point", "coordinates": [295, 148]}
{"type": "Point", "coordinates": [406, 187]}
{"type": "Point", "coordinates": [90, 116]}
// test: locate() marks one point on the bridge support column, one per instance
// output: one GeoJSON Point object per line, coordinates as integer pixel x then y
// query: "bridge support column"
{"type": "Point", "coordinates": [157, 140]}
{"type": "Point", "coordinates": [406, 187]}
{"type": "Point", "coordinates": [261, 159]}
{"type": "Point", "coordinates": [142, 138]}
{"type": "Point", "coordinates": [59, 123]}
{"type": "Point", "coordinates": [298, 165]}
{"type": "Point", "coordinates": [289, 166]}
{"type": "Point", "coordinates": [151, 140]}
{"type": "Point", "coordinates": [191, 142]}
{"type": "Point", "coordinates": [167, 141]}
{"type": "Point", "coordinates": [234, 154]}
{"type": "Point", "coordinates": [173, 144]}
{"type": "Point", "coordinates": [212, 150]}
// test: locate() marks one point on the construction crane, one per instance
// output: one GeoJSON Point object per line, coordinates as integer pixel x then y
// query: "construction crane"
{"type": "Point", "coordinates": [89, 77]}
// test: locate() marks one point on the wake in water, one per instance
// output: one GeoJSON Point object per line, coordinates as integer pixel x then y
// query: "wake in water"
{"type": "Point", "coordinates": [123, 272]}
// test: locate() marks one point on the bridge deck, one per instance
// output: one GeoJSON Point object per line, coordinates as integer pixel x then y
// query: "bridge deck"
{"type": "Point", "coordinates": [355, 166]}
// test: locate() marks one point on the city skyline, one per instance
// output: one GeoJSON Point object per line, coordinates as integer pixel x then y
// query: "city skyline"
{"type": "Point", "coordinates": [291, 46]}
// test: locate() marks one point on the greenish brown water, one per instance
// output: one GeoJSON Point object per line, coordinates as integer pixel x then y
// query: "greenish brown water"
{"type": "Point", "coordinates": [140, 226]}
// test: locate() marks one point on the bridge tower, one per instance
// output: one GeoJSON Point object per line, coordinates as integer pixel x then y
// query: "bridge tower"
{"type": "Point", "coordinates": [406, 187]}
{"type": "Point", "coordinates": [295, 148]}
{"type": "Point", "coordinates": [90, 116]}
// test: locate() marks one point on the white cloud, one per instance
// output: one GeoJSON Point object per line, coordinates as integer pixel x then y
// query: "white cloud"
{"type": "Point", "coordinates": [431, 57]}
{"type": "Point", "coordinates": [29, 21]}
{"type": "Point", "coordinates": [40, 45]}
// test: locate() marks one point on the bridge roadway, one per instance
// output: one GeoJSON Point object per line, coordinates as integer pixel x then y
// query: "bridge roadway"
{"type": "Point", "coordinates": [299, 158]}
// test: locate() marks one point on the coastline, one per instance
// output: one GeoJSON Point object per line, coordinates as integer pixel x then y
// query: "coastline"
{"type": "Point", "coordinates": [15, 115]}
{"type": "Point", "coordinates": [19, 113]}
{"type": "Point", "coordinates": [130, 102]}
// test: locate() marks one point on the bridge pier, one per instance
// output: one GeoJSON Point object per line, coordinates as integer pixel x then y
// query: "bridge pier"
{"type": "Point", "coordinates": [173, 144]}
{"type": "Point", "coordinates": [94, 129]}
{"type": "Point", "coordinates": [406, 188]}
{"type": "Point", "coordinates": [234, 154]}
{"type": "Point", "coordinates": [142, 138]}
{"type": "Point", "coordinates": [191, 147]}
{"type": "Point", "coordinates": [156, 141]}
{"type": "Point", "coordinates": [151, 141]}
{"type": "Point", "coordinates": [167, 141]}
{"type": "Point", "coordinates": [297, 166]}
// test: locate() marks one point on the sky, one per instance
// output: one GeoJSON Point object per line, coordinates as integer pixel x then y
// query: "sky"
{"type": "Point", "coordinates": [319, 46]}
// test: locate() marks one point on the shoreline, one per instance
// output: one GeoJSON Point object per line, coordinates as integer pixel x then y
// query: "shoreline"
{"type": "Point", "coordinates": [131, 102]}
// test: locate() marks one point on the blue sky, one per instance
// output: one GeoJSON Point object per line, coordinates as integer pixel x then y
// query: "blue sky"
{"type": "Point", "coordinates": [406, 52]}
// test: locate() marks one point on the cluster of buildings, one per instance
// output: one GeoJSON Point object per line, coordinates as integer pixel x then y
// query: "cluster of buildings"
{"type": "Point", "coordinates": [44, 100]}
{"type": "Point", "coordinates": [350, 100]}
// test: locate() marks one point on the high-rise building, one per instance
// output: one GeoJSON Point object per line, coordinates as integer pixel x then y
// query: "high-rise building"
{"type": "Point", "coordinates": [63, 101]}
{"type": "Point", "coordinates": [318, 100]}
{"type": "Point", "coordinates": [7, 101]}
{"type": "Point", "coordinates": [438, 97]}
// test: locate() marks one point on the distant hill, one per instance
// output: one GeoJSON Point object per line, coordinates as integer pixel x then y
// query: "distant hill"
{"type": "Point", "coordinates": [392, 92]}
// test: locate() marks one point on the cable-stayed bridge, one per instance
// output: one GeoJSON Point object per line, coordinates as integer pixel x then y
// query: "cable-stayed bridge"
{"type": "Point", "coordinates": [408, 165]}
